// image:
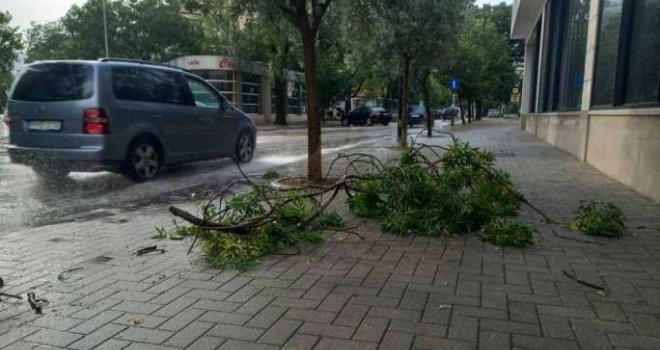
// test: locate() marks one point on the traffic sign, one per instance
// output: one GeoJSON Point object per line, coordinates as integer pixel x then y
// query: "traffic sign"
{"type": "Point", "coordinates": [455, 84]}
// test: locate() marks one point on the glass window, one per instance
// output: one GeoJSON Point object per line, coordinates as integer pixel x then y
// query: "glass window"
{"type": "Point", "coordinates": [536, 39]}
{"type": "Point", "coordinates": [55, 82]}
{"type": "Point", "coordinates": [162, 87]}
{"type": "Point", "coordinates": [576, 49]}
{"type": "Point", "coordinates": [565, 39]}
{"type": "Point", "coordinates": [251, 92]}
{"type": "Point", "coordinates": [644, 62]}
{"type": "Point", "coordinates": [203, 95]}
{"type": "Point", "coordinates": [207, 74]}
{"type": "Point", "coordinates": [126, 84]}
{"type": "Point", "coordinates": [607, 52]}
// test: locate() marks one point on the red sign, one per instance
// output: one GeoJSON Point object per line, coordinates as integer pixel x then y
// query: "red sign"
{"type": "Point", "coordinates": [226, 63]}
{"type": "Point", "coordinates": [193, 62]}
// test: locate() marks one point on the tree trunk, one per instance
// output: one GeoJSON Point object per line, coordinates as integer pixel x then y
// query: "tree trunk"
{"type": "Point", "coordinates": [470, 111]}
{"type": "Point", "coordinates": [314, 160]}
{"type": "Point", "coordinates": [427, 103]}
{"type": "Point", "coordinates": [403, 120]}
{"type": "Point", "coordinates": [480, 110]}
{"type": "Point", "coordinates": [280, 99]}
{"type": "Point", "coordinates": [461, 111]}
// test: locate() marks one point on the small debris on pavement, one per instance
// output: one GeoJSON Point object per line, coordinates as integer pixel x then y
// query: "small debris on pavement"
{"type": "Point", "coordinates": [138, 321]}
{"type": "Point", "coordinates": [444, 306]}
{"type": "Point", "coordinates": [2, 284]}
{"type": "Point", "coordinates": [62, 276]}
{"type": "Point", "coordinates": [147, 250]}
{"type": "Point", "coordinates": [584, 283]}
{"type": "Point", "coordinates": [36, 304]}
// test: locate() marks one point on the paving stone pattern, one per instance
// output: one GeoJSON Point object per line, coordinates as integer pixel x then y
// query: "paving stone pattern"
{"type": "Point", "coordinates": [385, 292]}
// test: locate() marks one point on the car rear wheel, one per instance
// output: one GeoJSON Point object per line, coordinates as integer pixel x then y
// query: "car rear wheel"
{"type": "Point", "coordinates": [244, 147]}
{"type": "Point", "coordinates": [144, 160]}
{"type": "Point", "coordinates": [344, 122]}
{"type": "Point", "coordinates": [386, 123]}
{"type": "Point", "coordinates": [370, 121]}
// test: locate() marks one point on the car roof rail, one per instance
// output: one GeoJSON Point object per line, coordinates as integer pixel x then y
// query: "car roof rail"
{"type": "Point", "coordinates": [145, 62]}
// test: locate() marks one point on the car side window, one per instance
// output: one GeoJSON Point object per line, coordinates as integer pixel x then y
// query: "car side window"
{"type": "Point", "coordinates": [162, 87]}
{"type": "Point", "coordinates": [126, 84]}
{"type": "Point", "coordinates": [202, 95]}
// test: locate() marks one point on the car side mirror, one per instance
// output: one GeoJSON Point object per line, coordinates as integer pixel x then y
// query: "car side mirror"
{"type": "Point", "coordinates": [225, 105]}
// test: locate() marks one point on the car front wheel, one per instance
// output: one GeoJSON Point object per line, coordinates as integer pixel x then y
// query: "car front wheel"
{"type": "Point", "coordinates": [344, 122]}
{"type": "Point", "coordinates": [244, 147]}
{"type": "Point", "coordinates": [370, 121]}
{"type": "Point", "coordinates": [144, 160]}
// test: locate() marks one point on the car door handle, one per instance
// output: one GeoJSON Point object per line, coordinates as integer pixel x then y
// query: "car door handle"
{"type": "Point", "coordinates": [204, 119]}
{"type": "Point", "coordinates": [157, 116]}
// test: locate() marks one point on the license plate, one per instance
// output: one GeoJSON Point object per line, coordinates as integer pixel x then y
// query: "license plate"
{"type": "Point", "coordinates": [44, 125]}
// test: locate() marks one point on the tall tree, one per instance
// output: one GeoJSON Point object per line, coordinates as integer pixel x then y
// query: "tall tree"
{"type": "Point", "coordinates": [145, 29]}
{"type": "Point", "coordinates": [10, 44]}
{"type": "Point", "coordinates": [414, 26]}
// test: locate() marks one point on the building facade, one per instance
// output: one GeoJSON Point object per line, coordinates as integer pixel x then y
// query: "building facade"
{"type": "Point", "coordinates": [591, 83]}
{"type": "Point", "coordinates": [247, 84]}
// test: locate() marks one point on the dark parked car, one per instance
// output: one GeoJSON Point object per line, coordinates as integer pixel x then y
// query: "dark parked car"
{"type": "Point", "coordinates": [416, 115]}
{"type": "Point", "coordinates": [368, 116]}
{"type": "Point", "coordinates": [120, 115]}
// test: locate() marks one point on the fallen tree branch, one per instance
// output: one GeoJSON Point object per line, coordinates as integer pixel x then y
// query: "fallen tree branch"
{"type": "Point", "coordinates": [574, 278]}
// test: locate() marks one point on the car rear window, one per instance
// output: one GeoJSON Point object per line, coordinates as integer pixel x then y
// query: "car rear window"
{"type": "Point", "coordinates": [55, 82]}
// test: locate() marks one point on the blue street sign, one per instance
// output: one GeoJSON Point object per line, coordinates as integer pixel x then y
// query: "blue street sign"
{"type": "Point", "coordinates": [455, 84]}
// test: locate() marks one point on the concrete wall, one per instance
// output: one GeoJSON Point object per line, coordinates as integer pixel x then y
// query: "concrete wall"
{"type": "Point", "coordinates": [627, 148]}
{"type": "Point", "coordinates": [623, 144]}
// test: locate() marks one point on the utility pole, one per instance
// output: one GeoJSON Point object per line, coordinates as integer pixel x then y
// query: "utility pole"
{"type": "Point", "coordinates": [105, 29]}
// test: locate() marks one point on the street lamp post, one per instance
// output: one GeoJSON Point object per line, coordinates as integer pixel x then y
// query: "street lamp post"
{"type": "Point", "coordinates": [105, 29]}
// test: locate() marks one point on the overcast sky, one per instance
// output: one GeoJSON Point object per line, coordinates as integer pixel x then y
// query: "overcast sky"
{"type": "Point", "coordinates": [26, 11]}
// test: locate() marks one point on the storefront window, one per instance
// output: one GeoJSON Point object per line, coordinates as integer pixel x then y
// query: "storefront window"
{"type": "Point", "coordinates": [627, 65]}
{"type": "Point", "coordinates": [536, 39]}
{"type": "Point", "coordinates": [251, 92]}
{"type": "Point", "coordinates": [293, 97]}
{"type": "Point", "coordinates": [607, 52]}
{"type": "Point", "coordinates": [644, 62]}
{"type": "Point", "coordinates": [566, 39]}
{"type": "Point", "coordinates": [576, 48]}
{"type": "Point", "coordinates": [223, 81]}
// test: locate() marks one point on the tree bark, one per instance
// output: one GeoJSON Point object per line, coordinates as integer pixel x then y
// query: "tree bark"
{"type": "Point", "coordinates": [314, 159]}
{"type": "Point", "coordinates": [461, 111]}
{"type": "Point", "coordinates": [470, 111]}
{"type": "Point", "coordinates": [403, 120]}
{"type": "Point", "coordinates": [480, 110]}
{"type": "Point", "coordinates": [427, 103]}
{"type": "Point", "coordinates": [280, 99]}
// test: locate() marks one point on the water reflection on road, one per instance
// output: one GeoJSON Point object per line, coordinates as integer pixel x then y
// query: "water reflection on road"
{"type": "Point", "coordinates": [25, 199]}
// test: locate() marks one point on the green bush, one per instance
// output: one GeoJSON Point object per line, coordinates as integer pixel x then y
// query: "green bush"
{"type": "Point", "coordinates": [512, 233]}
{"type": "Point", "coordinates": [599, 219]}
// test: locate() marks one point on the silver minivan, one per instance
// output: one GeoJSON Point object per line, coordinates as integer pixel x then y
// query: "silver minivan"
{"type": "Point", "coordinates": [119, 115]}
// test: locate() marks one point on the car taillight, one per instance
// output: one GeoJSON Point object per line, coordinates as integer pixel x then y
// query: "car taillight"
{"type": "Point", "coordinates": [95, 121]}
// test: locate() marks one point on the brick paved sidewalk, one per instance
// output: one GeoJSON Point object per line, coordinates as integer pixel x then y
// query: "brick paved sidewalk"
{"type": "Point", "coordinates": [385, 292]}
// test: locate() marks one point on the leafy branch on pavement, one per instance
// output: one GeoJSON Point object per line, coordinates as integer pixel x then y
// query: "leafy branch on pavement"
{"type": "Point", "coordinates": [597, 218]}
{"type": "Point", "coordinates": [430, 190]}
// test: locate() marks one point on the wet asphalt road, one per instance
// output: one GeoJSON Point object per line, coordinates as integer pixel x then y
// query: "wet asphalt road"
{"type": "Point", "coordinates": [27, 201]}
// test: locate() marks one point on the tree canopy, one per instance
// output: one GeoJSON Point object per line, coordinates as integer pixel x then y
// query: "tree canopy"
{"type": "Point", "coordinates": [10, 44]}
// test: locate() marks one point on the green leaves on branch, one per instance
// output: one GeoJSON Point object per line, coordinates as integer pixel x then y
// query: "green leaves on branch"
{"type": "Point", "coordinates": [241, 250]}
{"type": "Point", "coordinates": [599, 219]}
{"type": "Point", "coordinates": [506, 232]}
{"type": "Point", "coordinates": [430, 194]}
